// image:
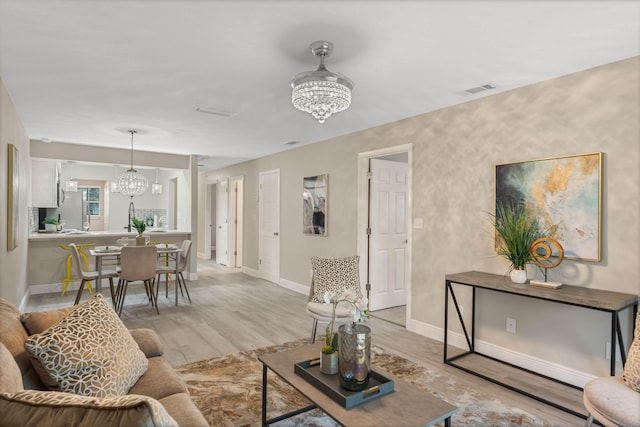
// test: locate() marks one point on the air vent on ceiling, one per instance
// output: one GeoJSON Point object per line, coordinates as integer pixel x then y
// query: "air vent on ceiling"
{"type": "Point", "coordinates": [215, 112]}
{"type": "Point", "coordinates": [478, 89]}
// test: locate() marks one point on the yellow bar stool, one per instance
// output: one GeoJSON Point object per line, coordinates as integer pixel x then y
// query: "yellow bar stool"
{"type": "Point", "coordinates": [67, 278]}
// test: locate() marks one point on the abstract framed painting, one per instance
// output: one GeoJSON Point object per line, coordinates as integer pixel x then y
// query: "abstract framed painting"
{"type": "Point", "coordinates": [13, 193]}
{"type": "Point", "coordinates": [564, 194]}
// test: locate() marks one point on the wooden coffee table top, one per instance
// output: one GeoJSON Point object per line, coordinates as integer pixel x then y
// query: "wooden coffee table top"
{"type": "Point", "coordinates": [407, 405]}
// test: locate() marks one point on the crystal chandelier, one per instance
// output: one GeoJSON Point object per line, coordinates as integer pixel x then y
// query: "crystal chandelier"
{"type": "Point", "coordinates": [131, 183]}
{"type": "Point", "coordinates": [321, 93]}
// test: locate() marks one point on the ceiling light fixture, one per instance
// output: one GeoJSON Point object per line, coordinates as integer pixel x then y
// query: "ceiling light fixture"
{"type": "Point", "coordinates": [114, 183]}
{"type": "Point", "coordinates": [156, 187]}
{"type": "Point", "coordinates": [321, 93]}
{"type": "Point", "coordinates": [131, 183]}
{"type": "Point", "coordinates": [71, 185]}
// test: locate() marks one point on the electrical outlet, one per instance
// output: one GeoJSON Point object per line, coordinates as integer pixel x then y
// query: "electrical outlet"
{"type": "Point", "coordinates": [607, 352]}
{"type": "Point", "coordinates": [511, 325]}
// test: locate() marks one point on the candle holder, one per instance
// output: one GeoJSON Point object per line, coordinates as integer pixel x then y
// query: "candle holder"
{"type": "Point", "coordinates": [354, 356]}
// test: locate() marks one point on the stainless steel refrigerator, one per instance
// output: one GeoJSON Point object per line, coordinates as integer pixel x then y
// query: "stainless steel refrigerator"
{"type": "Point", "coordinates": [74, 210]}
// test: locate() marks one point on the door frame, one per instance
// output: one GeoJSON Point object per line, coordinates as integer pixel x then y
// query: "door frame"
{"type": "Point", "coordinates": [363, 211]}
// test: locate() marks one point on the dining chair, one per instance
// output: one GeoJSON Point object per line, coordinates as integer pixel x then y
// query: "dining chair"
{"type": "Point", "coordinates": [88, 276]}
{"type": "Point", "coordinates": [182, 259]}
{"type": "Point", "coordinates": [331, 275]}
{"type": "Point", "coordinates": [137, 263]}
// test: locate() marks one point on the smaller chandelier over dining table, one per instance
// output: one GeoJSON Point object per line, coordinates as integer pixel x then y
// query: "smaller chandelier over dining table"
{"type": "Point", "coordinates": [321, 93]}
{"type": "Point", "coordinates": [131, 182]}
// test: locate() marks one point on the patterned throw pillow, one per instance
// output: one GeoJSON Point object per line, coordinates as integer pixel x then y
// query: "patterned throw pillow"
{"type": "Point", "coordinates": [334, 275]}
{"type": "Point", "coordinates": [631, 375]}
{"type": "Point", "coordinates": [90, 352]}
{"type": "Point", "coordinates": [51, 408]}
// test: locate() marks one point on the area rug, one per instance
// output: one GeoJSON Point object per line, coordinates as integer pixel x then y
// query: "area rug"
{"type": "Point", "coordinates": [228, 391]}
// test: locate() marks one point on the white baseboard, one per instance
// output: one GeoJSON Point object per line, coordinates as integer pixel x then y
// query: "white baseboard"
{"type": "Point", "coordinates": [52, 288]}
{"type": "Point", "coordinates": [294, 286]}
{"type": "Point", "coordinates": [544, 367]}
{"type": "Point", "coordinates": [251, 272]}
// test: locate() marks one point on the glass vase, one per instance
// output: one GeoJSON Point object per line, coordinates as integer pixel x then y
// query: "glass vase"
{"type": "Point", "coordinates": [354, 356]}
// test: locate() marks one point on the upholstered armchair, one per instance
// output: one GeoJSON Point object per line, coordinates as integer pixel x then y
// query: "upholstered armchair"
{"type": "Point", "coordinates": [331, 275]}
{"type": "Point", "coordinates": [615, 401]}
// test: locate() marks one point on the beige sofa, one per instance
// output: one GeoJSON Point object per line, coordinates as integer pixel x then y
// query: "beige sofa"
{"type": "Point", "coordinates": [25, 400]}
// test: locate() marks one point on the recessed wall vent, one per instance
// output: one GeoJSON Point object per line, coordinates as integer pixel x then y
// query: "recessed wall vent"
{"type": "Point", "coordinates": [479, 89]}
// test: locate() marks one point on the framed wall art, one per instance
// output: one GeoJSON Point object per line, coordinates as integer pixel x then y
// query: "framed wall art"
{"type": "Point", "coordinates": [13, 194]}
{"type": "Point", "coordinates": [314, 204]}
{"type": "Point", "coordinates": [564, 194]}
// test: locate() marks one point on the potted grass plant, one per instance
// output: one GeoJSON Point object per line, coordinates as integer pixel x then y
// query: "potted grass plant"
{"type": "Point", "coordinates": [50, 223]}
{"type": "Point", "coordinates": [140, 226]}
{"type": "Point", "coordinates": [516, 230]}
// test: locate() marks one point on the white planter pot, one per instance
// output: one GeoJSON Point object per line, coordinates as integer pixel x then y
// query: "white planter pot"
{"type": "Point", "coordinates": [518, 276]}
{"type": "Point", "coordinates": [50, 227]}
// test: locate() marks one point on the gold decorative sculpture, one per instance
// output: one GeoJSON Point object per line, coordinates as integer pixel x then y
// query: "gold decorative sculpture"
{"type": "Point", "coordinates": [546, 253]}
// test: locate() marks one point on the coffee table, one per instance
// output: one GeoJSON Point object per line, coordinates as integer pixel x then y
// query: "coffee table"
{"type": "Point", "coordinates": [407, 405]}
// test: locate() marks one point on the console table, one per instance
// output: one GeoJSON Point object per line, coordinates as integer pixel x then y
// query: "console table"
{"type": "Point", "coordinates": [594, 299]}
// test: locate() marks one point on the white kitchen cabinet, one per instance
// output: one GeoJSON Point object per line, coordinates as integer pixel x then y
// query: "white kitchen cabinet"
{"type": "Point", "coordinates": [44, 183]}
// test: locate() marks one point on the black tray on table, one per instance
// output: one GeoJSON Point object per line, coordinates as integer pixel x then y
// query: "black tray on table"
{"type": "Point", "coordinates": [379, 385]}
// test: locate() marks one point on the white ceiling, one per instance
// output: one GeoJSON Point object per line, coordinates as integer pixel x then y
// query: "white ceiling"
{"type": "Point", "coordinates": [86, 71]}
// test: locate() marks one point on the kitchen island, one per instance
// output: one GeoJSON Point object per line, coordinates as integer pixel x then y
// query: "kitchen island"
{"type": "Point", "coordinates": [47, 262]}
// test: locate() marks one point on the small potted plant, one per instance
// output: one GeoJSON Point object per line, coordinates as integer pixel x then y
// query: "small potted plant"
{"type": "Point", "coordinates": [50, 223]}
{"type": "Point", "coordinates": [516, 232]}
{"type": "Point", "coordinates": [140, 226]}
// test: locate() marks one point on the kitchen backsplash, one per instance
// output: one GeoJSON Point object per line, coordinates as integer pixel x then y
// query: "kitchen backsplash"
{"type": "Point", "coordinates": [158, 214]}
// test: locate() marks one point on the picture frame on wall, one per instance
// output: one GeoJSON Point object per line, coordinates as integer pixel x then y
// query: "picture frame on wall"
{"type": "Point", "coordinates": [564, 194]}
{"type": "Point", "coordinates": [13, 194]}
{"type": "Point", "coordinates": [314, 205]}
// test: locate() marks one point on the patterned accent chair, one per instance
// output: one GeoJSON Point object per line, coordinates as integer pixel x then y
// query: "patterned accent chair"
{"type": "Point", "coordinates": [615, 401]}
{"type": "Point", "coordinates": [331, 275]}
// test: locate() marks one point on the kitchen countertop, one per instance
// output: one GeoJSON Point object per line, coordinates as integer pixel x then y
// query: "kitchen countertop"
{"type": "Point", "coordinates": [69, 234]}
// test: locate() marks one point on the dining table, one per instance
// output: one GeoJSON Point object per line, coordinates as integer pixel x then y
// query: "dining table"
{"type": "Point", "coordinates": [101, 253]}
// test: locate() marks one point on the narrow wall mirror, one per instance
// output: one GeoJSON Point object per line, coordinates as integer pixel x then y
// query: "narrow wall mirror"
{"type": "Point", "coordinates": [314, 204]}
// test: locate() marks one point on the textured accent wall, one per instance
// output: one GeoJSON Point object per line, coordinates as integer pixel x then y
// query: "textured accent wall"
{"type": "Point", "coordinates": [454, 153]}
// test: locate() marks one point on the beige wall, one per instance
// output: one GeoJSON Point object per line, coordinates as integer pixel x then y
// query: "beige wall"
{"type": "Point", "coordinates": [454, 153]}
{"type": "Point", "coordinates": [13, 265]}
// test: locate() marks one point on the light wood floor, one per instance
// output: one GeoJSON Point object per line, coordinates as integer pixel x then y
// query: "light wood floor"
{"type": "Point", "coordinates": [232, 312]}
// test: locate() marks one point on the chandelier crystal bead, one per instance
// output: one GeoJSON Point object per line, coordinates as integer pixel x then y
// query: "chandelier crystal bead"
{"type": "Point", "coordinates": [321, 93]}
{"type": "Point", "coordinates": [131, 183]}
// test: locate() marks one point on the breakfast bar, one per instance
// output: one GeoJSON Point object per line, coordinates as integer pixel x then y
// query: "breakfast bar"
{"type": "Point", "coordinates": [47, 260]}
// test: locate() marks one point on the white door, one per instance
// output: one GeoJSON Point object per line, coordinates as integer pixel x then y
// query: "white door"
{"type": "Point", "coordinates": [209, 237]}
{"type": "Point", "coordinates": [235, 221]}
{"type": "Point", "coordinates": [269, 226]}
{"type": "Point", "coordinates": [388, 240]}
{"type": "Point", "coordinates": [222, 222]}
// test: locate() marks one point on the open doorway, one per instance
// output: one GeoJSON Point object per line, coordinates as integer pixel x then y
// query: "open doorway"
{"type": "Point", "coordinates": [224, 220]}
{"type": "Point", "coordinates": [384, 206]}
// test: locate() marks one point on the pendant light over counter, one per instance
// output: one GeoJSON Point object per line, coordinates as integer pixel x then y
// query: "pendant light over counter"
{"type": "Point", "coordinates": [131, 183]}
{"type": "Point", "coordinates": [156, 187]}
